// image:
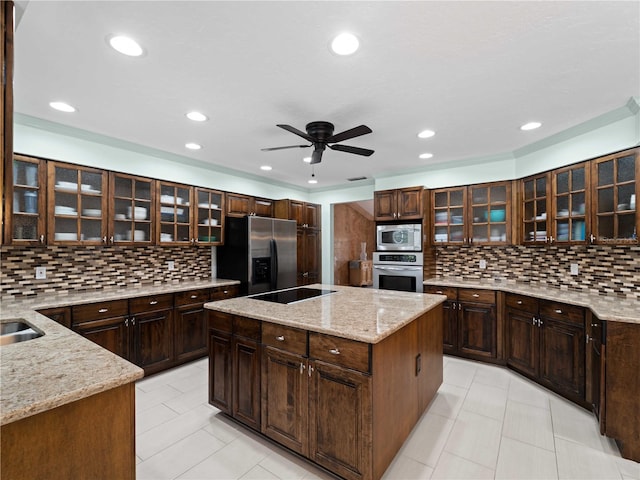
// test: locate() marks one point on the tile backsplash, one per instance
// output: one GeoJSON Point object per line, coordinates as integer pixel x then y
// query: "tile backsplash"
{"type": "Point", "coordinates": [78, 269]}
{"type": "Point", "coordinates": [602, 269]}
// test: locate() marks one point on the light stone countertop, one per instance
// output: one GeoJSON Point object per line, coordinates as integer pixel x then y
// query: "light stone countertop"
{"type": "Point", "coordinates": [604, 307]}
{"type": "Point", "coordinates": [362, 314]}
{"type": "Point", "coordinates": [61, 366]}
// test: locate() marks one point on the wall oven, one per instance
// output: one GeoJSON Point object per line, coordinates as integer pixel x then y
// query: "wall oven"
{"type": "Point", "coordinates": [398, 271]}
{"type": "Point", "coordinates": [404, 238]}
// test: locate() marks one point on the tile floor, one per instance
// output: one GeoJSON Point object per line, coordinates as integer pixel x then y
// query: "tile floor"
{"type": "Point", "coordinates": [485, 422]}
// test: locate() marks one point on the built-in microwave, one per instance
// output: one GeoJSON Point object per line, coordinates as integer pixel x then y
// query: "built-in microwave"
{"type": "Point", "coordinates": [406, 237]}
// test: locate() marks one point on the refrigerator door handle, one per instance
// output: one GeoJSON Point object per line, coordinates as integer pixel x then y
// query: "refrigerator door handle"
{"type": "Point", "coordinates": [273, 247]}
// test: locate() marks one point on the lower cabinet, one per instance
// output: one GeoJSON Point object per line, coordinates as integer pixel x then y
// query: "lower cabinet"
{"type": "Point", "coordinates": [62, 315]}
{"type": "Point", "coordinates": [151, 324]}
{"type": "Point", "coordinates": [190, 325]}
{"type": "Point", "coordinates": [104, 323]}
{"type": "Point", "coordinates": [546, 341]}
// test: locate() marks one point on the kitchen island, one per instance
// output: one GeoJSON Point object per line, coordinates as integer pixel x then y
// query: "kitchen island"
{"type": "Point", "coordinates": [340, 378]}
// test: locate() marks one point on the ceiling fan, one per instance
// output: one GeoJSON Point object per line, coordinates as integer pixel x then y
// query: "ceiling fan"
{"type": "Point", "coordinates": [320, 134]}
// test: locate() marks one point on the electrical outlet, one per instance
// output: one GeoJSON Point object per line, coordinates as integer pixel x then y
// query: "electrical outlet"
{"type": "Point", "coordinates": [574, 269]}
{"type": "Point", "coordinates": [41, 273]}
{"type": "Point", "coordinates": [483, 264]}
{"type": "Point", "coordinates": [171, 265]}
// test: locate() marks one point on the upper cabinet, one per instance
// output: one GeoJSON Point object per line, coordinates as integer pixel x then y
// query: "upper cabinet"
{"type": "Point", "coordinates": [209, 217]}
{"type": "Point", "coordinates": [77, 204]}
{"type": "Point", "coordinates": [571, 195]}
{"type": "Point", "coordinates": [400, 204]}
{"type": "Point", "coordinates": [131, 209]}
{"type": "Point", "coordinates": [242, 205]}
{"type": "Point", "coordinates": [173, 207]}
{"type": "Point", "coordinates": [477, 214]}
{"type": "Point", "coordinates": [306, 215]}
{"type": "Point", "coordinates": [536, 197]}
{"type": "Point", "coordinates": [615, 216]}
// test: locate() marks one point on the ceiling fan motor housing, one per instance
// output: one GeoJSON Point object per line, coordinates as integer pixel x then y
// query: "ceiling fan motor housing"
{"type": "Point", "coordinates": [320, 130]}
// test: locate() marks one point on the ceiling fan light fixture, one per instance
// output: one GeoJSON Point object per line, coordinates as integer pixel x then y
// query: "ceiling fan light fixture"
{"type": "Point", "coordinates": [62, 107]}
{"type": "Point", "coordinates": [125, 45]}
{"type": "Point", "coordinates": [425, 156]}
{"type": "Point", "coordinates": [312, 181]}
{"type": "Point", "coordinates": [426, 134]}
{"type": "Point", "coordinates": [345, 44]}
{"type": "Point", "coordinates": [193, 146]}
{"type": "Point", "coordinates": [530, 126]}
{"type": "Point", "coordinates": [197, 116]}
{"type": "Point", "coordinates": [266, 168]}
{"type": "Point", "coordinates": [306, 159]}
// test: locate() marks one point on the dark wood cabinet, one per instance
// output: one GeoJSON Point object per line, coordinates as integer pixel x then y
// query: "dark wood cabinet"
{"type": "Point", "coordinates": [595, 367]}
{"type": "Point", "coordinates": [105, 323]}
{"type": "Point", "coordinates": [151, 332]}
{"type": "Point", "coordinates": [220, 361]}
{"type": "Point", "coordinates": [132, 214]}
{"type": "Point", "coordinates": [190, 324]}
{"type": "Point", "coordinates": [208, 217]}
{"type": "Point", "coordinates": [306, 215]}
{"type": "Point", "coordinates": [546, 341]}
{"type": "Point", "coordinates": [398, 204]}
{"type": "Point", "coordinates": [239, 205]}
{"type": "Point", "coordinates": [173, 209]}
{"type": "Point", "coordinates": [62, 315]}
{"type": "Point", "coordinates": [246, 376]}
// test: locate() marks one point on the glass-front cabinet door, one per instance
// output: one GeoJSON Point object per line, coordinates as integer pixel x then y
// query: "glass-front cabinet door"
{"type": "Point", "coordinates": [131, 203]}
{"type": "Point", "coordinates": [174, 212]}
{"type": "Point", "coordinates": [209, 219]}
{"type": "Point", "coordinates": [77, 204]}
{"type": "Point", "coordinates": [615, 215]}
{"type": "Point", "coordinates": [25, 220]}
{"type": "Point", "coordinates": [535, 208]}
{"type": "Point", "coordinates": [449, 212]}
{"type": "Point", "coordinates": [570, 204]}
{"type": "Point", "coordinates": [490, 213]}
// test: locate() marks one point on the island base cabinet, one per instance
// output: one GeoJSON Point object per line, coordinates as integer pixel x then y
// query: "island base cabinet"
{"type": "Point", "coordinates": [246, 376]}
{"type": "Point", "coordinates": [220, 363]}
{"type": "Point", "coordinates": [89, 438]}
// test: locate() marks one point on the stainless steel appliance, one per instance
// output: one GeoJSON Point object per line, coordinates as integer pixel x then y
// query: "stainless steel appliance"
{"type": "Point", "coordinates": [260, 252]}
{"type": "Point", "coordinates": [398, 271]}
{"type": "Point", "coordinates": [406, 237]}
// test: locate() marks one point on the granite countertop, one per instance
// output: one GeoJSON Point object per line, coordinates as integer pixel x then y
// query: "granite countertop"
{"type": "Point", "coordinates": [605, 307]}
{"type": "Point", "coordinates": [362, 314]}
{"type": "Point", "coordinates": [61, 366]}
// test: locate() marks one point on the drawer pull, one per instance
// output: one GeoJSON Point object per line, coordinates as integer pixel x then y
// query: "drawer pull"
{"type": "Point", "coordinates": [475, 295]}
{"type": "Point", "coordinates": [225, 291]}
{"type": "Point", "coordinates": [103, 310]}
{"type": "Point", "coordinates": [439, 292]}
{"type": "Point", "coordinates": [153, 302]}
{"type": "Point", "coordinates": [301, 368]}
{"type": "Point", "coordinates": [334, 351]}
{"type": "Point", "coordinates": [280, 338]}
{"type": "Point", "coordinates": [558, 311]}
{"type": "Point", "coordinates": [519, 302]}
{"type": "Point", "coordinates": [194, 296]}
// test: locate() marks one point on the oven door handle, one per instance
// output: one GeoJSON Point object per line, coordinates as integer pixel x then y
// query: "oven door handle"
{"type": "Point", "coordinates": [397, 269]}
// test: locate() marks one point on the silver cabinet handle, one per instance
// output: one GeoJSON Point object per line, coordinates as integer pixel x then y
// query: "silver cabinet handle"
{"type": "Point", "coordinates": [533, 321]}
{"type": "Point", "coordinates": [310, 369]}
{"type": "Point", "coordinates": [41, 238]}
{"type": "Point", "coordinates": [558, 311]}
{"type": "Point", "coordinates": [592, 238]}
{"type": "Point", "coordinates": [153, 302]}
{"type": "Point", "coordinates": [280, 338]}
{"type": "Point", "coordinates": [133, 320]}
{"type": "Point", "coordinates": [194, 296]}
{"type": "Point", "coordinates": [475, 295]}
{"type": "Point", "coordinates": [439, 292]}
{"type": "Point", "coordinates": [588, 339]}
{"type": "Point", "coordinates": [334, 351]}
{"type": "Point", "coordinates": [301, 368]}
{"type": "Point", "coordinates": [104, 239]}
{"type": "Point", "coordinates": [519, 302]}
{"type": "Point", "coordinates": [225, 291]}
{"type": "Point", "coordinates": [126, 322]}
{"type": "Point", "coordinates": [111, 239]}
{"type": "Point", "coordinates": [103, 310]}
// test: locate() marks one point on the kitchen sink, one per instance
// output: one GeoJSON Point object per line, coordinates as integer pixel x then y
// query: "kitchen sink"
{"type": "Point", "coordinates": [15, 331]}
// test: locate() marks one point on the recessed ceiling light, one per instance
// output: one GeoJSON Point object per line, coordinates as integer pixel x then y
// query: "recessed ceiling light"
{"type": "Point", "coordinates": [312, 181]}
{"type": "Point", "coordinates": [426, 134]}
{"type": "Point", "coordinates": [193, 146]}
{"type": "Point", "coordinates": [266, 167]}
{"type": "Point", "coordinates": [306, 159]}
{"type": "Point", "coordinates": [424, 156]}
{"type": "Point", "coordinates": [531, 126]}
{"type": "Point", "coordinates": [345, 44]}
{"type": "Point", "coordinates": [126, 45]}
{"type": "Point", "coordinates": [62, 106]}
{"type": "Point", "coordinates": [196, 116]}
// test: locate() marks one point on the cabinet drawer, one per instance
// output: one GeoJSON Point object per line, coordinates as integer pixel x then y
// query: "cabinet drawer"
{"type": "Point", "coordinates": [97, 311]}
{"type": "Point", "coordinates": [290, 339]}
{"type": "Point", "coordinates": [220, 293]}
{"type": "Point", "coordinates": [247, 327]}
{"type": "Point", "coordinates": [191, 296]}
{"type": "Point", "coordinates": [150, 303]}
{"type": "Point", "coordinates": [221, 321]}
{"type": "Point", "coordinates": [522, 302]}
{"type": "Point", "coordinates": [562, 311]}
{"type": "Point", "coordinates": [339, 351]}
{"type": "Point", "coordinates": [450, 292]}
{"type": "Point", "coordinates": [476, 295]}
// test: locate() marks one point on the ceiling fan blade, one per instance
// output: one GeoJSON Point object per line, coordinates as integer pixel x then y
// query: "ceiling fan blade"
{"type": "Point", "coordinates": [300, 133]}
{"type": "Point", "coordinates": [317, 156]}
{"type": "Point", "coordinates": [347, 134]}
{"type": "Point", "coordinates": [346, 148]}
{"type": "Point", "coordinates": [282, 148]}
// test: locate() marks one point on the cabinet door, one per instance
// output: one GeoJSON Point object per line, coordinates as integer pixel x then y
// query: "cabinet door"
{"type": "Point", "coordinates": [262, 207]}
{"type": "Point", "coordinates": [615, 215]}
{"type": "Point", "coordinates": [285, 398]}
{"type": "Point", "coordinates": [449, 215]}
{"type": "Point", "coordinates": [220, 370]}
{"type": "Point", "coordinates": [209, 217]}
{"type": "Point", "coordinates": [340, 420]}
{"type": "Point", "coordinates": [409, 203]}
{"type": "Point", "coordinates": [570, 203]}
{"type": "Point", "coordinates": [246, 376]}
{"type": "Point", "coordinates": [25, 201]}
{"type": "Point", "coordinates": [297, 212]}
{"type": "Point", "coordinates": [490, 213]}
{"type": "Point", "coordinates": [238, 205]}
{"type": "Point", "coordinates": [449, 327]}
{"type": "Point", "coordinates": [535, 209]}
{"type": "Point", "coordinates": [562, 357]}
{"type": "Point", "coordinates": [109, 333]}
{"type": "Point", "coordinates": [478, 330]}
{"type": "Point", "coordinates": [312, 215]}
{"type": "Point", "coordinates": [190, 332]}
{"type": "Point", "coordinates": [153, 340]}
{"type": "Point", "coordinates": [131, 209]}
{"type": "Point", "coordinates": [175, 206]}
{"type": "Point", "coordinates": [312, 253]}
{"type": "Point", "coordinates": [522, 341]}
{"type": "Point", "coordinates": [595, 368]}
{"type": "Point", "coordinates": [384, 205]}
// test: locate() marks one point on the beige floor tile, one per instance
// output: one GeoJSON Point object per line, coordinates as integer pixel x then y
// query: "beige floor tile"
{"type": "Point", "coordinates": [524, 391]}
{"type": "Point", "coordinates": [629, 469]}
{"type": "Point", "coordinates": [486, 400]}
{"type": "Point", "coordinates": [153, 398]}
{"type": "Point", "coordinates": [524, 461]}
{"type": "Point", "coordinates": [286, 466]}
{"type": "Point", "coordinates": [493, 376]}
{"type": "Point", "coordinates": [528, 424]}
{"type": "Point", "coordinates": [259, 473]}
{"type": "Point", "coordinates": [574, 423]}
{"type": "Point", "coordinates": [404, 467]}
{"type": "Point", "coordinates": [578, 462]}
{"type": "Point", "coordinates": [458, 373]}
{"type": "Point", "coordinates": [448, 401]}
{"type": "Point", "coordinates": [428, 438]}
{"type": "Point", "coordinates": [475, 438]}
{"type": "Point", "coordinates": [452, 467]}
{"type": "Point", "coordinates": [152, 417]}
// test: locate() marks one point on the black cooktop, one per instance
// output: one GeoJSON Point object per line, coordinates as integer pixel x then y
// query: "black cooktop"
{"type": "Point", "coordinates": [292, 296]}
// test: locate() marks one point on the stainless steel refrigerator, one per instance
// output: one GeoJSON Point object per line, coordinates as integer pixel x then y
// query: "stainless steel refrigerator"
{"type": "Point", "coordinates": [260, 252]}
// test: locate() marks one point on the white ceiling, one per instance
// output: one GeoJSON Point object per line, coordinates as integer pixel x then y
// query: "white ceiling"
{"type": "Point", "coordinates": [471, 71]}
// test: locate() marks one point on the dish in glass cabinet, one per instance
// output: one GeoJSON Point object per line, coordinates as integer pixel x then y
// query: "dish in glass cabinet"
{"type": "Point", "coordinates": [91, 212]}
{"type": "Point", "coordinates": [65, 236]}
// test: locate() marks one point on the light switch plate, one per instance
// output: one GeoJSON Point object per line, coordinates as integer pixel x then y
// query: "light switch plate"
{"type": "Point", "coordinates": [171, 265]}
{"type": "Point", "coordinates": [483, 264]}
{"type": "Point", "coordinates": [574, 269]}
{"type": "Point", "coordinates": [41, 273]}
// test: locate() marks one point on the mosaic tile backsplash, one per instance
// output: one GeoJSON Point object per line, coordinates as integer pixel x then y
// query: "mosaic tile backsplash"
{"type": "Point", "coordinates": [603, 269]}
{"type": "Point", "coordinates": [86, 269]}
